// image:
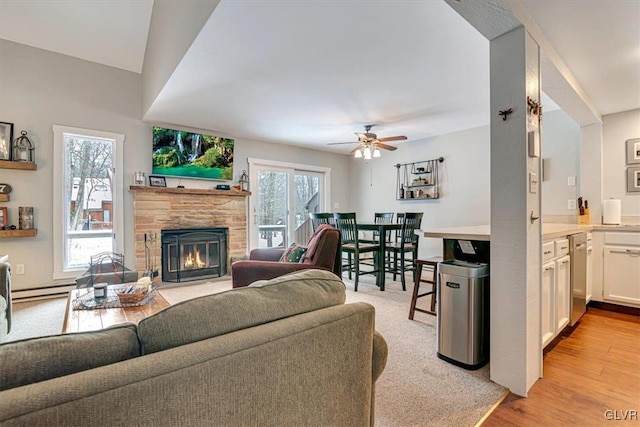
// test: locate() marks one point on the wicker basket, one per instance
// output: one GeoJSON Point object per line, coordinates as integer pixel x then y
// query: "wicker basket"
{"type": "Point", "coordinates": [132, 297]}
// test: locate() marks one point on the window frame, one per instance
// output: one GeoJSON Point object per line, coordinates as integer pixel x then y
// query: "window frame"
{"type": "Point", "coordinates": [59, 195]}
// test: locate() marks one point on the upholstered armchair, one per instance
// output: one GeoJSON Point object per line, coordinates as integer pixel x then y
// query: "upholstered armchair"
{"type": "Point", "coordinates": [5, 300]}
{"type": "Point", "coordinates": [323, 252]}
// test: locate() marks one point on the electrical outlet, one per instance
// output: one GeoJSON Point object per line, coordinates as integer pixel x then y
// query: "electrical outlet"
{"type": "Point", "coordinates": [336, 205]}
{"type": "Point", "coordinates": [19, 269]}
{"type": "Point", "coordinates": [571, 204]}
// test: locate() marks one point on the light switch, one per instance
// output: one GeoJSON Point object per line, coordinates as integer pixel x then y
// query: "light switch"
{"type": "Point", "coordinates": [534, 143]}
{"type": "Point", "coordinates": [336, 205]}
{"type": "Point", "coordinates": [533, 182]}
{"type": "Point", "coordinates": [571, 181]}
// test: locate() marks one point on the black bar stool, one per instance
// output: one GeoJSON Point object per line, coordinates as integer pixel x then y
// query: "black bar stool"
{"type": "Point", "coordinates": [432, 265]}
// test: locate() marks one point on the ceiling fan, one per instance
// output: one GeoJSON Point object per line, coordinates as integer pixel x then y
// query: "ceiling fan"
{"type": "Point", "coordinates": [369, 144]}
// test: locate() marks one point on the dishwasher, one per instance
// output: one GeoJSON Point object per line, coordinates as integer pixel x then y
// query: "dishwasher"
{"type": "Point", "coordinates": [578, 254]}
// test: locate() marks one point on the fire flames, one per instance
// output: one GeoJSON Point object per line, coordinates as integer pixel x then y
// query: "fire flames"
{"type": "Point", "coordinates": [193, 260]}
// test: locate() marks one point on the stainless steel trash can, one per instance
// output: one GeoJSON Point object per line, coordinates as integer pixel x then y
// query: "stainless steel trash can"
{"type": "Point", "coordinates": [463, 315]}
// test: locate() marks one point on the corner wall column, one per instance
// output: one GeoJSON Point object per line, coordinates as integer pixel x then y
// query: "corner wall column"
{"type": "Point", "coordinates": [515, 348]}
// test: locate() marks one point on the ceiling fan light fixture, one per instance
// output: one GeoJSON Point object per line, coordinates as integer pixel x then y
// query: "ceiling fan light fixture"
{"type": "Point", "coordinates": [358, 154]}
{"type": "Point", "coordinates": [376, 152]}
{"type": "Point", "coordinates": [367, 153]}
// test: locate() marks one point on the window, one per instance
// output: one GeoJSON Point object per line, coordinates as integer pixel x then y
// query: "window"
{"type": "Point", "coordinates": [87, 212]}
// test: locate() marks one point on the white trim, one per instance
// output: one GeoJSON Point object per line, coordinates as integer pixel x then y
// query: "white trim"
{"type": "Point", "coordinates": [58, 185]}
{"type": "Point", "coordinates": [288, 167]}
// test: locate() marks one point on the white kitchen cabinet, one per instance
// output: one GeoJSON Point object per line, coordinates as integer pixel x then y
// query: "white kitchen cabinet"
{"type": "Point", "coordinates": [555, 292]}
{"type": "Point", "coordinates": [563, 292]}
{"type": "Point", "coordinates": [622, 273]}
{"type": "Point", "coordinates": [589, 272]}
{"type": "Point", "coordinates": [547, 297]}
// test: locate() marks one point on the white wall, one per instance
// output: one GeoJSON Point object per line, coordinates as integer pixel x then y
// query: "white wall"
{"type": "Point", "coordinates": [464, 175]}
{"type": "Point", "coordinates": [560, 141]}
{"type": "Point", "coordinates": [591, 169]}
{"type": "Point", "coordinates": [39, 89]}
{"type": "Point", "coordinates": [616, 129]}
{"type": "Point", "coordinates": [173, 27]}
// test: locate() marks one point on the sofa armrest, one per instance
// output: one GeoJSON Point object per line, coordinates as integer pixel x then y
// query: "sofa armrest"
{"type": "Point", "coordinates": [379, 358]}
{"type": "Point", "coordinates": [266, 254]}
{"type": "Point", "coordinates": [5, 290]}
{"type": "Point", "coordinates": [243, 273]}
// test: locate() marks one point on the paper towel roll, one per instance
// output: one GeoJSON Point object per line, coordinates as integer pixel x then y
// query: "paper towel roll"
{"type": "Point", "coordinates": [612, 211]}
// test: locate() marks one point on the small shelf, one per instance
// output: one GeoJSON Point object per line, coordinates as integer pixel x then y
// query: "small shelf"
{"type": "Point", "coordinates": [4, 198]}
{"type": "Point", "coordinates": [9, 164]}
{"type": "Point", "coordinates": [18, 233]}
{"type": "Point", "coordinates": [418, 180]}
{"type": "Point", "coordinates": [419, 186]}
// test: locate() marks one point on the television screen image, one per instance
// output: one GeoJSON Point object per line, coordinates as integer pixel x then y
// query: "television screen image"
{"type": "Point", "coordinates": [192, 155]}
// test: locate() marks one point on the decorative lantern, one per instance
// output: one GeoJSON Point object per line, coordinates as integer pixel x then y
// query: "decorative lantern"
{"type": "Point", "coordinates": [23, 148]}
{"type": "Point", "coordinates": [244, 181]}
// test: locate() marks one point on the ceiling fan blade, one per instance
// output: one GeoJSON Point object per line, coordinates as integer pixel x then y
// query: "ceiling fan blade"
{"type": "Point", "coordinates": [393, 138]}
{"type": "Point", "coordinates": [339, 143]}
{"type": "Point", "coordinates": [361, 136]}
{"type": "Point", "coordinates": [385, 146]}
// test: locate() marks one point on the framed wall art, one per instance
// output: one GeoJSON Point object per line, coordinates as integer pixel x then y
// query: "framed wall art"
{"type": "Point", "coordinates": [4, 217]}
{"type": "Point", "coordinates": [633, 179]}
{"type": "Point", "coordinates": [6, 140]}
{"type": "Point", "coordinates": [633, 151]}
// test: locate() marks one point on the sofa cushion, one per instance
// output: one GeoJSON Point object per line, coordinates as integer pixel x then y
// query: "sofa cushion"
{"type": "Point", "coordinates": [293, 253]}
{"type": "Point", "coordinates": [39, 359]}
{"type": "Point", "coordinates": [240, 308]}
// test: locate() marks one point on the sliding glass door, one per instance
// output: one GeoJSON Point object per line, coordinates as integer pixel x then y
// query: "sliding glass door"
{"type": "Point", "coordinates": [282, 197]}
{"type": "Point", "coordinates": [272, 213]}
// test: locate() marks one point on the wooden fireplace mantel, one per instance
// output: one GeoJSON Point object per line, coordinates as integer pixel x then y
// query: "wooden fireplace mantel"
{"type": "Point", "coordinates": [202, 191]}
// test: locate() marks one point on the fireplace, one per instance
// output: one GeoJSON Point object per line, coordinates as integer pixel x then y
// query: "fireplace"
{"type": "Point", "coordinates": [193, 253]}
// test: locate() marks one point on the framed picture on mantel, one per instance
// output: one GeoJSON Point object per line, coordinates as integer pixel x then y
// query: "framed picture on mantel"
{"type": "Point", "coordinates": [157, 181]}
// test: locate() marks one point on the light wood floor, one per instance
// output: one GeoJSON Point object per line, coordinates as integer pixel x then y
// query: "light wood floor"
{"type": "Point", "coordinates": [595, 369]}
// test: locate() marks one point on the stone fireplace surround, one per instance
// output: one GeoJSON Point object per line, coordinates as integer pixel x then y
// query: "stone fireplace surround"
{"type": "Point", "coordinates": [157, 208]}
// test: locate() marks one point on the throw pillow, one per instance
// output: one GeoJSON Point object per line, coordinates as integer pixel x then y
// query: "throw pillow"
{"type": "Point", "coordinates": [293, 253]}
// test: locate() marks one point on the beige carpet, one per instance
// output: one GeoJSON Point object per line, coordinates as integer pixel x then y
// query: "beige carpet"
{"type": "Point", "coordinates": [416, 388]}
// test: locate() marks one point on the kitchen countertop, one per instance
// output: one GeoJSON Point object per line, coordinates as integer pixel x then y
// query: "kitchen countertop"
{"type": "Point", "coordinates": [549, 231]}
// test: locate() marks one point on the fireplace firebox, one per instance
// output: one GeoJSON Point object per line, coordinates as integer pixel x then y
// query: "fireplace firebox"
{"type": "Point", "coordinates": [193, 253]}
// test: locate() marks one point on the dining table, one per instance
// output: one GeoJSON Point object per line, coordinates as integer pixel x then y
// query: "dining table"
{"type": "Point", "coordinates": [382, 230]}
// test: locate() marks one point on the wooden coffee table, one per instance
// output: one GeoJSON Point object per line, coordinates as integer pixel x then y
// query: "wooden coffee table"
{"type": "Point", "coordinates": [93, 320]}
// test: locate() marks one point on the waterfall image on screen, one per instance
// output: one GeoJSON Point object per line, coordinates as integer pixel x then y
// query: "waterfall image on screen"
{"type": "Point", "coordinates": [192, 155]}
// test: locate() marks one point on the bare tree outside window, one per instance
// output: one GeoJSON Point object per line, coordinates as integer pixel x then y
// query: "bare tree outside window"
{"type": "Point", "coordinates": [89, 183]}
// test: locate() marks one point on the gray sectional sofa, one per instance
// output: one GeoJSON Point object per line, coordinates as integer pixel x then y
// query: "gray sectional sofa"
{"type": "Point", "coordinates": [287, 352]}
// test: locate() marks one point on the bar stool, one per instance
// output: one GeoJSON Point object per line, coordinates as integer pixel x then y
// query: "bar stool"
{"type": "Point", "coordinates": [432, 265]}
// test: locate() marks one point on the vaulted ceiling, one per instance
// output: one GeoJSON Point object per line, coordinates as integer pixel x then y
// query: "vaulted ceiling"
{"type": "Point", "coordinates": [309, 73]}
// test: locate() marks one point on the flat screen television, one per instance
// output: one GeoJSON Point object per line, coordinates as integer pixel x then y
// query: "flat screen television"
{"type": "Point", "coordinates": [192, 155]}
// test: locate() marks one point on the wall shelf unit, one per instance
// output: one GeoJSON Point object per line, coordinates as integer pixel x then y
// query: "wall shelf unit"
{"type": "Point", "coordinates": [4, 198]}
{"type": "Point", "coordinates": [9, 164]}
{"type": "Point", "coordinates": [418, 180]}
{"type": "Point", "coordinates": [18, 233]}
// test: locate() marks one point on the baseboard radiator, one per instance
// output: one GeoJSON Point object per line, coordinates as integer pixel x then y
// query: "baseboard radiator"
{"type": "Point", "coordinates": [53, 291]}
